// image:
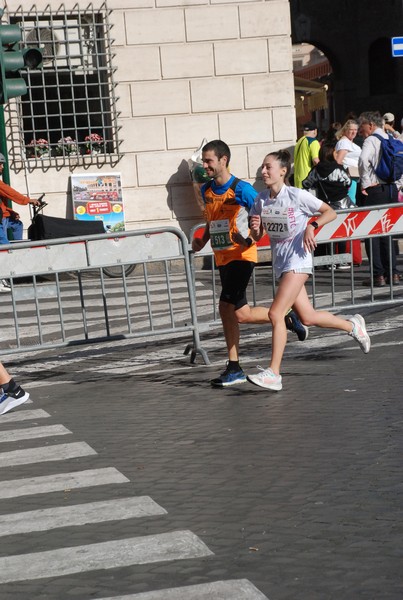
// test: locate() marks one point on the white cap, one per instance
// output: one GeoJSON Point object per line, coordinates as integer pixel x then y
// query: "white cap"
{"type": "Point", "coordinates": [388, 117]}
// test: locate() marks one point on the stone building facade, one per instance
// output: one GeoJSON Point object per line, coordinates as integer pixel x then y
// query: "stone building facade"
{"type": "Point", "coordinates": [185, 70]}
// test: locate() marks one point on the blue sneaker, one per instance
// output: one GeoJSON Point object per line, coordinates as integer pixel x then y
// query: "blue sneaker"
{"type": "Point", "coordinates": [293, 323]}
{"type": "Point", "coordinates": [229, 378]}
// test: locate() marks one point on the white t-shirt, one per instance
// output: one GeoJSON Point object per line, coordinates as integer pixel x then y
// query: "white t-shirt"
{"type": "Point", "coordinates": [285, 218]}
{"type": "Point", "coordinates": [353, 152]}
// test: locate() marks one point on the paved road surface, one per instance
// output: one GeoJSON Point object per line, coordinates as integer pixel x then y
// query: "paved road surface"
{"type": "Point", "coordinates": [129, 477]}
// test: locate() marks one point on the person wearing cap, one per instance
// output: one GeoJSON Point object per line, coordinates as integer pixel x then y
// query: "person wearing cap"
{"type": "Point", "coordinates": [9, 218]}
{"type": "Point", "coordinates": [389, 119]}
{"type": "Point", "coordinates": [306, 153]}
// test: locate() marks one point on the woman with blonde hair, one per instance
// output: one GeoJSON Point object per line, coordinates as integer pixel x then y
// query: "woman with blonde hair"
{"type": "Point", "coordinates": [346, 152]}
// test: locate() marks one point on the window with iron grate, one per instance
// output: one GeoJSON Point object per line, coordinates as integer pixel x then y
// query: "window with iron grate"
{"type": "Point", "coordinates": [70, 108]}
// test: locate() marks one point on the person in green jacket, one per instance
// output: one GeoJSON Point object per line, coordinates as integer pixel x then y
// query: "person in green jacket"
{"type": "Point", "coordinates": [306, 153]}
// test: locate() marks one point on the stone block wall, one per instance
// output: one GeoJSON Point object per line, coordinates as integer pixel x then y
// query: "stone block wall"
{"type": "Point", "coordinates": [188, 70]}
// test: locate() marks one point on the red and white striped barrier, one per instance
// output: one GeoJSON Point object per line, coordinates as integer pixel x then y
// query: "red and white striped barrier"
{"type": "Point", "coordinates": [355, 225]}
{"type": "Point", "coordinates": [363, 223]}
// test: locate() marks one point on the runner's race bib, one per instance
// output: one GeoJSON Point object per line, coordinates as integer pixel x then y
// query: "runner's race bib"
{"type": "Point", "coordinates": [219, 235]}
{"type": "Point", "coordinates": [276, 222]}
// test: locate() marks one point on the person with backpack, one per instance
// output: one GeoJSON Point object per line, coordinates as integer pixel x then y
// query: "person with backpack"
{"type": "Point", "coordinates": [227, 201]}
{"type": "Point", "coordinates": [331, 181]}
{"type": "Point", "coordinates": [381, 175]}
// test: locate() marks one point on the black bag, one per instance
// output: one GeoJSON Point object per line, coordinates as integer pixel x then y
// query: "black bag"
{"type": "Point", "coordinates": [49, 228]}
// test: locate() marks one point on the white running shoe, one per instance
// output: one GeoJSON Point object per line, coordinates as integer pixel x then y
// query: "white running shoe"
{"type": "Point", "coordinates": [266, 379]}
{"type": "Point", "coordinates": [359, 333]}
{"type": "Point", "coordinates": [10, 400]}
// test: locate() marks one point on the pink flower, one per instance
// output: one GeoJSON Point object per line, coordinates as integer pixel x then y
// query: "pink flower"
{"type": "Point", "coordinates": [41, 143]}
{"type": "Point", "coordinates": [93, 143]}
{"type": "Point", "coordinates": [94, 138]}
{"type": "Point", "coordinates": [37, 147]}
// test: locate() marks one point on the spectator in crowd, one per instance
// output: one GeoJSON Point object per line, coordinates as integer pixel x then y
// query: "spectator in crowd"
{"type": "Point", "coordinates": [359, 140]}
{"type": "Point", "coordinates": [389, 126]}
{"type": "Point", "coordinates": [374, 191]}
{"type": "Point", "coordinates": [347, 152]}
{"type": "Point", "coordinates": [331, 182]}
{"type": "Point", "coordinates": [330, 135]}
{"type": "Point", "coordinates": [9, 219]}
{"type": "Point", "coordinates": [306, 153]}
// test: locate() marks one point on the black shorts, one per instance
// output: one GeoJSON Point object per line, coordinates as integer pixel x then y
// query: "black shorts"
{"type": "Point", "coordinates": [234, 281]}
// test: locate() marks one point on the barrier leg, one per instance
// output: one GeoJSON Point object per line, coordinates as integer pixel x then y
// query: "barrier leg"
{"type": "Point", "coordinates": [193, 353]}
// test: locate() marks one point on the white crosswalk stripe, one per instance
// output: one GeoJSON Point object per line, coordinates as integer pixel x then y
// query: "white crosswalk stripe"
{"type": "Point", "coordinates": [177, 545]}
{"type": "Point", "coordinates": [79, 514]}
{"type": "Point", "coordinates": [45, 454]}
{"type": "Point", "coordinates": [60, 482]}
{"type": "Point", "coordinates": [24, 415]}
{"type": "Point", "coordinates": [234, 589]}
{"type": "Point", "coordinates": [13, 435]}
{"type": "Point", "coordinates": [111, 554]}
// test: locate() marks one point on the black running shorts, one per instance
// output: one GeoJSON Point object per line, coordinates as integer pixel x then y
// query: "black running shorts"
{"type": "Point", "coordinates": [234, 281]}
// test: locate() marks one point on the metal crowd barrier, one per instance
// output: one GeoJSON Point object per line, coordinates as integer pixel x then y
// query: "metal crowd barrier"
{"type": "Point", "coordinates": [330, 287]}
{"type": "Point", "coordinates": [60, 295]}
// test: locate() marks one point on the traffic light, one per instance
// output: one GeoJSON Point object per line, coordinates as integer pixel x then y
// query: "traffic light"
{"type": "Point", "coordinates": [12, 59]}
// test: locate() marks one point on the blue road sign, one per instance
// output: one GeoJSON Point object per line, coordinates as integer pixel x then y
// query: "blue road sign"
{"type": "Point", "coordinates": [397, 46]}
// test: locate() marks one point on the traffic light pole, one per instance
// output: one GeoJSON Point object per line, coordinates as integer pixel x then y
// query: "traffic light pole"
{"type": "Point", "coordinates": [12, 84]}
{"type": "Point", "coordinates": [3, 146]}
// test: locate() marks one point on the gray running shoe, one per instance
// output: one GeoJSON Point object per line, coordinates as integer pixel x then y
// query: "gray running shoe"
{"type": "Point", "coordinates": [5, 286]}
{"type": "Point", "coordinates": [359, 333]}
{"type": "Point", "coordinates": [266, 379]}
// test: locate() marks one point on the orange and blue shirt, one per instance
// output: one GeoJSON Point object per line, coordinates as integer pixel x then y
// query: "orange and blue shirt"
{"type": "Point", "coordinates": [226, 211]}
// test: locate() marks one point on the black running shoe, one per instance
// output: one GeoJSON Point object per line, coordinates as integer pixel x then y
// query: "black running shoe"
{"type": "Point", "coordinates": [293, 323]}
{"type": "Point", "coordinates": [229, 378]}
{"type": "Point", "coordinates": [10, 400]}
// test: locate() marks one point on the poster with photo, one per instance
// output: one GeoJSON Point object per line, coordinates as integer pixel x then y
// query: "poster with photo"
{"type": "Point", "coordinates": [99, 198]}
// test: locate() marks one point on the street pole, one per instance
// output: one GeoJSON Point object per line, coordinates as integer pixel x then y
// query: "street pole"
{"type": "Point", "coordinates": [3, 146]}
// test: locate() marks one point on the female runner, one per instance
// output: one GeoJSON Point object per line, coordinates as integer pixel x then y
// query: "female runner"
{"type": "Point", "coordinates": [283, 212]}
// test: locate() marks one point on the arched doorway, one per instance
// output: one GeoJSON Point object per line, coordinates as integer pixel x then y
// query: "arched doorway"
{"type": "Point", "coordinates": [313, 78]}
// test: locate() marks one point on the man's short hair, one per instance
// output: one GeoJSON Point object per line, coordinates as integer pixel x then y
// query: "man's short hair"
{"type": "Point", "coordinates": [371, 117]}
{"type": "Point", "coordinates": [219, 148]}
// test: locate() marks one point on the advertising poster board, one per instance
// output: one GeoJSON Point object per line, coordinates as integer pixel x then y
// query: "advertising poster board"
{"type": "Point", "coordinates": [99, 198]}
